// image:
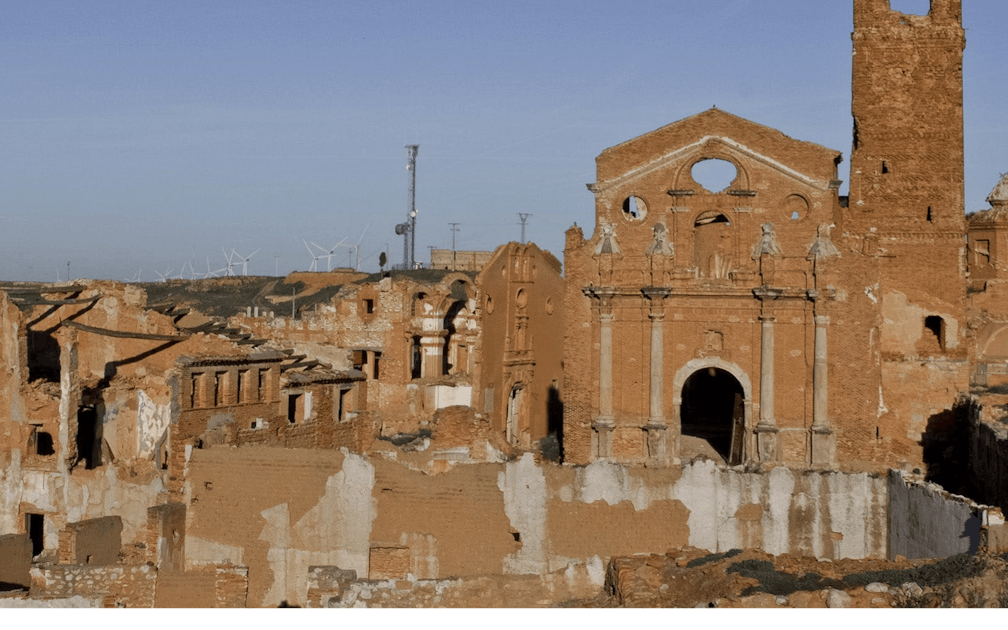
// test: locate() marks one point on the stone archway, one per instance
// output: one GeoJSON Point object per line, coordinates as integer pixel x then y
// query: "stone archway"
{"type": "Point", "coordinates": [713, 407]}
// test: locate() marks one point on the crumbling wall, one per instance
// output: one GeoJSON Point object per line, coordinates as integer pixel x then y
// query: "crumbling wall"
{"type": "Point", "coordinates": [92, 542]}
{"type": "Point", "coordinates": [280, 511]}
{"type": "Point", "coordinates": [118, 586]}
{"type": "Point", "coordinates": [498, 591]}
{"type": "Point", "coordinates": [166, 536]}
{"type": "Point", "coordinates": [925, 521]}
{"type": "Point", "coordinates": [15, 560]}
{"type": "Point", "coordinates": [210, 586]}
{"type": "Point", "coordinates": [988, 456]}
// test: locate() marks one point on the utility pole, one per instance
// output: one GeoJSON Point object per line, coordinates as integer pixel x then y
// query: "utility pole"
{"type": "Point", "coordinates": [410, 241]}
{"type": "Point", "coordinates": [524, 217]}
{"type": "Point", "coordinates": [276, 259]}
{"type": "Point", "coordinates": [454, 229]}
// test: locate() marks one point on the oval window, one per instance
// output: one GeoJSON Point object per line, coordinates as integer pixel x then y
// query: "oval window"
{"type": "Point", "coordinates": [713, 174]}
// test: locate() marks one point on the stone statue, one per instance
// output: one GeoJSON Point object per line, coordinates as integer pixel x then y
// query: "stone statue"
{"type": "Point", "coordinates": [608, 244]}
{"type": "Point", "coordinates": [767, 243]}
{"type": "Point", "coordinates": [823, 247]}
{"type": "Point", "coordinates": [660, 245]}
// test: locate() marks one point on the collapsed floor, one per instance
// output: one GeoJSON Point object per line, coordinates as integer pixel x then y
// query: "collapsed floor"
{"type": "Point", "coordinates": [752, 579]}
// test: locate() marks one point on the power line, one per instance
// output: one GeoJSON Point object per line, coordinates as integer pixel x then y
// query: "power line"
{"type": "Point", "coordinates": [524, 217]}
{"type": "Point", "coordinates": [454, 229]}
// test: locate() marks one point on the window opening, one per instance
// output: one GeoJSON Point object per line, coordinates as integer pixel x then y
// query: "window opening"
{"type": "Point", "coordinates": [43, 357]}
{"type": "Point", "coordinates": [796, 207]}
{"type": "Point", "coordinates": [708, 218]}
{"type": "Point", "coordinates": [929, 215]}
{"type": "Point", "coordinates": [263, 383]}
{"type": "Point", "coordinates": [194, 392]}
{"type": "Point", "coordinates": [241, 385]}
{"type": "Point", "coordinates": [218, 397]}
{"type": "Point", "coordinates": [88, 437]}
{"type": "Point", "coordinates": [35, 528]}
{"type": "Point", "coordinates": [416, 362]}
{"type": "Point", "coordinates": [634, 208]}
{"type": "Point", "coordinates": [713, 174]}
{"type": "Point", "coordinates": [885, 167]}
{"type": "Point", "coordinates": [40, 442]}
{"type": "Point", "coordinates": [935, 327]}
{"type": "Point", "coordinates": [368, 306]}
{"type": "Point", "coordinates": [295, 405]}
{"type": "Point", "coordinates": [981, 252]}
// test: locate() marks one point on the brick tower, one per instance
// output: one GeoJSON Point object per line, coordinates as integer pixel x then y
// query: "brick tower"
{"type": "Point", "coordinates": [907, 206]}
{"type": "Point", "coordinates": [907, 158]}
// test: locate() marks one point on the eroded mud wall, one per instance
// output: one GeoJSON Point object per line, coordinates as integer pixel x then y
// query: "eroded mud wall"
{"type": "Point", "coordinates": [280, 511]}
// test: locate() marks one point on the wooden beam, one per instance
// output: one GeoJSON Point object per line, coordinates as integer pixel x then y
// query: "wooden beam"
{"type": "Point", "coordinates": [123, 334]}
{"type": "Point", "coordinates": [27, 301]}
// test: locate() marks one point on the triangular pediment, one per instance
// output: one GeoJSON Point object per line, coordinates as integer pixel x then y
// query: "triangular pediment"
{"type": "Point", "coordinates": [705, 135]}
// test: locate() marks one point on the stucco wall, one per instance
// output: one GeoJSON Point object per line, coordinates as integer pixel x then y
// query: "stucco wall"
{"type": "Point", "coordinates": [279, 511]}
{"type": "Point", "coordinates": [925, 521]}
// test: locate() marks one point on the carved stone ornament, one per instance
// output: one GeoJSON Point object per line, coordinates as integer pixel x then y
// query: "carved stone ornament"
{"type": "Point", "coordinates": [823, 247]}
{"type": "Point", "coordinates": [660, 245]}
{"type": "Point", "coordinates": [608, 244]}
{"type": "Point", "coordinates": [767, 243]}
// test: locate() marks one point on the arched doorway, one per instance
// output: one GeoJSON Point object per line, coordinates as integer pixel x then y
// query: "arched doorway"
{"type": "Point", "coordinates": [713, 410]}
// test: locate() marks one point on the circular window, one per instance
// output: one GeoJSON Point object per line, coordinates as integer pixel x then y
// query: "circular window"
{"type": "Point", "coordinates": [549, 306]}
{"type": "Point", "coordinates": [489, 305]}
{"type": "Point", "coordinates": [634, 208]}
{"type": "Point", "coordinates": [795, 208]}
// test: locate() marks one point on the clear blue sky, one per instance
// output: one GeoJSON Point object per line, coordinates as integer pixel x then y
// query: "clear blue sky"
{"type": "Point", "coordinates": [141, 134]}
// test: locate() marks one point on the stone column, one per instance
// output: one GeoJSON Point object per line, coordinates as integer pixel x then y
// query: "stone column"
{"type": "Point", "coordinates": [432, 353]}
{"type": "Point", "coordinates": [604, 423]}
{"type": "Point", "coordinates": [657, 426]}
{"type": "Point", "coordinates": [766, 429]}
{"type": "Point", "coordinates": [823, 442]}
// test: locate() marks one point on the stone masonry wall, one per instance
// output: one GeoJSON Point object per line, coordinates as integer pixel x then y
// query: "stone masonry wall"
{"type": "Point", "coordinates": [119, 586]}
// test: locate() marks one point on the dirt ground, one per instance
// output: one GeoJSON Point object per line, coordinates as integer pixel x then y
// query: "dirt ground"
{"type": "Point", "coordinates": [692, 578]}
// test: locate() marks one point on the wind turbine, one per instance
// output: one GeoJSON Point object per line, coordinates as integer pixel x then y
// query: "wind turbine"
{"type": "Point", "coordinates": [329, 253]}
{"type": "Point", "coordinates": [230, 264]}
{"type": "Point", "coordinates": [314, 258]}
{"type": "Point", "coordinates": [245, 260]}
{"type": "Point", "coordinates": [164, 276]}
{"type": "Point", "coordinates": [356, 247]}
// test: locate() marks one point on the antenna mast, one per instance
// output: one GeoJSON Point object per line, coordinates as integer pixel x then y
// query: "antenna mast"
{"type": "Point", "coordinates": [409, 241]}
{"type": "Point", "coordinates": [454, 229]}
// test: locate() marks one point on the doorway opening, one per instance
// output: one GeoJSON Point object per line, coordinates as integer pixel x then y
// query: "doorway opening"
{"type": "Point", "coordinates": [35, 528]}
{"type": "Point", "coordinates": [713, 411]}
{"type": "Point", "coordinates": [89, 437]}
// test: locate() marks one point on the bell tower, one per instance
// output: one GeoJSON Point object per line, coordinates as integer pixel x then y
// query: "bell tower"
{"type": "Point", "coordinates": [906, 182]}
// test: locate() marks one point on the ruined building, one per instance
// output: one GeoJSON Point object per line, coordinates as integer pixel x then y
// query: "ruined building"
{"type": "Point", "coordinates": [758, 364]}
{"type": "Point", "coordinates": [773, 319]}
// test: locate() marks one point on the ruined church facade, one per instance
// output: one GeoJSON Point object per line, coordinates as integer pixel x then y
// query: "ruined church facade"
{"type": "Point", "coordinates": [773, 319]}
